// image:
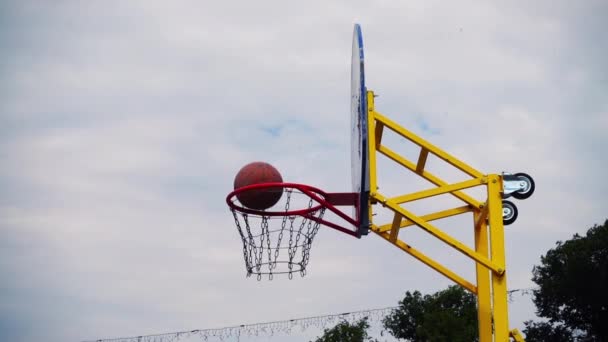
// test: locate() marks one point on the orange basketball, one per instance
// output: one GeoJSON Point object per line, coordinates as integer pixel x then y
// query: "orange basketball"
{"type": "Point", "coordinates": [255, 173]}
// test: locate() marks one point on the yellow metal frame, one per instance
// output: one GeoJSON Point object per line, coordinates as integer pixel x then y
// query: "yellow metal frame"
{"type": "Point", "coordinates": [489, 251]}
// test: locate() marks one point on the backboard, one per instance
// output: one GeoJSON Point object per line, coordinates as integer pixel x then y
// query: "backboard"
{"type": "Point", "coordinates": [359, 132]}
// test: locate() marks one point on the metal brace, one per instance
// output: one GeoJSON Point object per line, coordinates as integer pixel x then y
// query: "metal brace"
{"type": "Point", "coordinates": [511, 184]}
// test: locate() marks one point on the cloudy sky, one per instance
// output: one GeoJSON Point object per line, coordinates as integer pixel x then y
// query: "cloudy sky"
{"type": "Point", "coordinates": [122, 124]}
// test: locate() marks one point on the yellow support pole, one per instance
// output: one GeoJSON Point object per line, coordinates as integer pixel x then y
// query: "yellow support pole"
{"type": "Point", "coordinates": [371, 127]}
{"type": "Point", "coordinates": [489, 251]}
{"type": "Point", "coordinates": [424, 153]}
{"type": "Point", "coordinates": [395, 228]}
{"type": "Point", "coordinates": [497, 250]}
{"type": "Point", "coordinates": [482, 217]}
{"type": "Point", "coordinates": [484, 300]}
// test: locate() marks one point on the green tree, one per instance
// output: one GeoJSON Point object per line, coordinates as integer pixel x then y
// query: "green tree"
{"type": "Point", "coordinates": [448, 315]}
{"type": "Point", "coordinates": [345, 331]}
{"type": "Point", "coordinates": [573, 289]}
{"type": "Point", "coordinates": [545, 331]}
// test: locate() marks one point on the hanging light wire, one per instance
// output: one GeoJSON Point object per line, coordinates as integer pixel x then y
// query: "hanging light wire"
{"type": "Point", "coordinates": [272, 328]}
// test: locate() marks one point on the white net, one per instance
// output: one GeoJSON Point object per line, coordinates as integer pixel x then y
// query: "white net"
{"type": "Point", "coordinates": [279, 244]}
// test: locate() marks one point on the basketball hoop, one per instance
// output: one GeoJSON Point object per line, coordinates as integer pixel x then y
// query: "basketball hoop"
{"type": "Point", "coordinates": [278, 240]}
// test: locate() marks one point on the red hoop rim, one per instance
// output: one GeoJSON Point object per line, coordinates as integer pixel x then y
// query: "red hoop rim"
{"type": "Point", "coordinates": [305, 189]}
{"type": "Point", "coordinates": [324, 199]}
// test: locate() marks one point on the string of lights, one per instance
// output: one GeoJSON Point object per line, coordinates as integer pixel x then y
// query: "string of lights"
{"type": "Point", "coordinates": [260, 329]}
{"type": "Point", "coordinates": [524, 292]}
{"type": "Point", "coordinates": [272, 328]}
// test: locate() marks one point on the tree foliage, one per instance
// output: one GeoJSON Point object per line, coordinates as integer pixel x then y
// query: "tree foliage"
{"type": "Point", "coordinates": [448, 315]}
{"type": "Point", "coordinates": [545, 331]}
{"type": "Point", "coordinates": [572, 289]}
{"type": "Point", "coordinates": [345, 331]}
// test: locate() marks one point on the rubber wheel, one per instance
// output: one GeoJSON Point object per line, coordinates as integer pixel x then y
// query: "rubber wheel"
{"type": "Point", "coordinates": [528, 191]}
{"type": "Point", "coordinates": [509, 213]}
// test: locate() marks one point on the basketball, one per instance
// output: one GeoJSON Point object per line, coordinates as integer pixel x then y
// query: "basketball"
{"type": "Point", "coordinates": [256, 173]}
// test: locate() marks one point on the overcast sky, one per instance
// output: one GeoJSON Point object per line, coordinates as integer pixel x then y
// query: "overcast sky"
{"type": "Point", "coordinates": [123, 123]}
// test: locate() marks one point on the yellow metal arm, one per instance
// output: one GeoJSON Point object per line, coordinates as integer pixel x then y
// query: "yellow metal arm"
{"type": "Point", "coordinates": [438, 191]}
{"type": "Point", "coordinates": [427, 146]}
{"type": "Point", "coordinates": [430, 217]}
{"type": "Point", "coordinates": [488, 254]}
{"type": "Point", "coordinates": [429, 262]}
{"type": "Point", "coordinates": [461, 247]}
{"type": "Point", "coordinates": [516, 335]}
{"type": "Point", "coordinates": [424, 174]}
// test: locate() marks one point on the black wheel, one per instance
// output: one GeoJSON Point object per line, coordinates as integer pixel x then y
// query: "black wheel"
{"type": "Point", "coordinates": [528, 188]}
{"type": "Point", "coordinates": [509, 213]}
